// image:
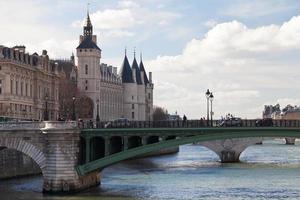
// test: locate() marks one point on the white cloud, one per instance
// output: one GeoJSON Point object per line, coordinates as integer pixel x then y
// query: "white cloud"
{"type": "Point", "coordinates": [210, 23]}
{"type": "Point", "coordinates": [129, 17]}
{"type": "Point", "coordinates": [243, 66]}
{"type": "Point", "coordinates": [257, 8]}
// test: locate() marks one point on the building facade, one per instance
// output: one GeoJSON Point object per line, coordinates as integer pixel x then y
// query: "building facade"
{"type": "Point", "coordinates": [29, 85]}
{"type": "Point", "coordinates": [127, 94]}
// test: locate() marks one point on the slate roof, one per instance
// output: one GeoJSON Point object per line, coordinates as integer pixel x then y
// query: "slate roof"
{"type": "Point", "coordinates": [88, 43]}
{"type": "Point", "coordinates": [65, 65]}
{"type": "Point", "coordinates": [142, 69]}
{"type": "Point", "coordinates": [126, 72]}
{"type": "Point", "coordinates": [137, 72]}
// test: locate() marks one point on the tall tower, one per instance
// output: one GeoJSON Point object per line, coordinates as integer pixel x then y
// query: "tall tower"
{"type": "Point", "coordinates": [148, 97]}
{"type": "Point", "coordinates": [89, 54]}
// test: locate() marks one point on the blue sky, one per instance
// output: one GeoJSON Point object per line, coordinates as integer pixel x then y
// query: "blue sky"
{"type": "Point", "coordinates": [189, 45]}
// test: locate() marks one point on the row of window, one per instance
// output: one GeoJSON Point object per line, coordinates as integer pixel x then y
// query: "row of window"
{"type": "Point", "coordinates": [20, 88]}
{"type": "Point", "coordinates": [20, 108]}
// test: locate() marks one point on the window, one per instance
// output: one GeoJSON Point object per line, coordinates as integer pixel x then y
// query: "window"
{"type": "Point", "coordinates": [26, 90]}
{"type": "Point", "coordinates": [86, 69]}
{"type": "Point", "coordinates": [30, 90]}
{"type": "Point", "coordinates": [11, 86]}
{"type": "Point", "coordinates": [149, 96]}
{"type": "Point", "coordinates": [132, 115]}
{"type": "Point", "coordinates": [86, 84]}
{"type": "Point", "coordinates": [0, 86]}
{"type": "Point", "coordinates": [132, 106]}
{"type": "Point", "coordinates": [0, 67]}
{"type": "Point", "coordinates": [17, 89]}
{"type": "Point", "coordinates": [132, 97]}
{"type": "Point", "coordinates": [80, 50]}
{"type": "Point", "coordinates": [22, 84]}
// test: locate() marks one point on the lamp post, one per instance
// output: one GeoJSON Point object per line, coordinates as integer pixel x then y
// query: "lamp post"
{"type": "Point", "coordinates": [46, 115]}
{"type": "Point", "coordinates": [207, 94]}
{"type": "Point", "coordinates": [97, 116]}
{"type": "Point", "coordinates": [211, 98]}
{"type": "Point", "coordinates": [73, 113]}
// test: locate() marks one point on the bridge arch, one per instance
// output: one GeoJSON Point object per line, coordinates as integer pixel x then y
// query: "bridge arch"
{"type": "Point", "coordinates": [115, 144]}
{"type": "Point", "coordinates": [134, 141]}
{"type": "Point", "coordinates": [185, 136]}
{"type": "Point", "coordinates": [27, 148]}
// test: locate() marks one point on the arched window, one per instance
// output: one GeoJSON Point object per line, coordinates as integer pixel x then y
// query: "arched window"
{"type": "Point", "coordinates": [86, 69]}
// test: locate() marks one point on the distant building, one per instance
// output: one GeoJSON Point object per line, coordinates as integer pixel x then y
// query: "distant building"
{"type": "Point", "coordinates": [274, 112]}
{"type": "Point", "coordinates": [27, 84]}
{"type": "Point", "coordinates": [271, 111]}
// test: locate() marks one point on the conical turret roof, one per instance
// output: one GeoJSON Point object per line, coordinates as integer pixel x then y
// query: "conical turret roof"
{"type": "Point", "coordinates": [126, 72]}
{"type": "Point", "coordinates": [137, 72]}
{"type": "Point", "coordinates": [142, 69]}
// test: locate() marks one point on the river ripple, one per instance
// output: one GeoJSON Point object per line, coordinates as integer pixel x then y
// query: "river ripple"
{"type": "Point", "coordinates": [269, 171]}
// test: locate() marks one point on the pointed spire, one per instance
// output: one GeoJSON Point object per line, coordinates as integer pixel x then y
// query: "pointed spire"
{"type": "Point", "coordinates": [125, 51]}
{"type": "Point", "coordinates": [126, 72]}
{"type": "Point", "coordinates": [142, 69]}
{"type": "Point", "coordinates": [88, 28]}
{"type": "Point", "coordinates": [141, 57]}
{"type": "Point", "coordinates": [134, 52]}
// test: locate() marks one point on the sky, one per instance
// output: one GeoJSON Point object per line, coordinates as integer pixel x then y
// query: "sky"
{"type": "Point", "coordinates": [245, 51]}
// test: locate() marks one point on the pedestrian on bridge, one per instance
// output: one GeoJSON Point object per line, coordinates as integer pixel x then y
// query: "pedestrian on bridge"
{"type": "Point", "coordinates": [184, 121]}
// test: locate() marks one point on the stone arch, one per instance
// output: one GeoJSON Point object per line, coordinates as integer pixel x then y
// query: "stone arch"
{"type": "Point", "coordinates": [27, 148]}
{"type": "Point", "coordinates": [229, 150]}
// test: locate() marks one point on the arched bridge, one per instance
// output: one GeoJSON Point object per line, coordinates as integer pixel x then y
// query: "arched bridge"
{"type": "Point", "coordinates": [71, 156]}
{"type": "Point", "coordinates": [104, 147]}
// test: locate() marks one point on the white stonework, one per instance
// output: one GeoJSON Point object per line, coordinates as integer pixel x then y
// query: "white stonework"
{"type": "Point", "coordinates": [113, 96]}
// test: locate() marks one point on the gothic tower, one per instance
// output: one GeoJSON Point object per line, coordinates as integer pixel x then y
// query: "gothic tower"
{"type": "Point", "coordinates": [89, 54]}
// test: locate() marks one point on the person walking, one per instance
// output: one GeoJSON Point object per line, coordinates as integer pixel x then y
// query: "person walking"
{"type": "Point", "coordinates": [184, 120]}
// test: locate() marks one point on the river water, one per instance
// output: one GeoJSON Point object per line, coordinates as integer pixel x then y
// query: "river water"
{"type": "Point", "coordinates": [268, 171]}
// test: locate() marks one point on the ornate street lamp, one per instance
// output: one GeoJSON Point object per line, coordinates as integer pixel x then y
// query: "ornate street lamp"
{"type": "Point", "coordinates": [211, 98]}
{"type": "Point", "coordinates": [73, 113]}
{"type": "Point", "coordinates": [207, 94]}
{"type": "Point", "coordinates": [46, 115]}
{"type": "Point", "coordinates": [97, 116]}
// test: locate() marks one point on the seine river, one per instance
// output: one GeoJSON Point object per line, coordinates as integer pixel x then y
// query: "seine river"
{"type": "Point", "coordinates": [268, 171]}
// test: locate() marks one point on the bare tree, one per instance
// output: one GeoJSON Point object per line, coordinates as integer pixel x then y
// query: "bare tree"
{"type": "Point", "coordinates": [67, 90]}
{"type": "Point", "coordinates": [159, 114]}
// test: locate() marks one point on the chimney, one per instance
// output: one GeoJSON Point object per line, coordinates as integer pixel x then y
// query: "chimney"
{"type": "Point", "coordinates": [44, 53]}
{"type": "Point", "coordinates": [20, 48]}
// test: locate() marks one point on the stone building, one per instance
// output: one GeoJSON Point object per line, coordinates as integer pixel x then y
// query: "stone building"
{"type": "Point", "coordinates": [128, 94]}
{"type": "Point", "coordinates": [28, 84]}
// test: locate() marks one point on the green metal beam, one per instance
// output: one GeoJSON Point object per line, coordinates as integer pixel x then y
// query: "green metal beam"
{"type": "Point", "coordinates": [208, 136]}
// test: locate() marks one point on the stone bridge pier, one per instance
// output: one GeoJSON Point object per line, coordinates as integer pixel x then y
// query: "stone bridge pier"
{"type": "Point", "coordinates": [229, 150]}
{"type": "Point", "coordinates": [55, 147]}
{"type": "Point", "coordinates": [62, 155]}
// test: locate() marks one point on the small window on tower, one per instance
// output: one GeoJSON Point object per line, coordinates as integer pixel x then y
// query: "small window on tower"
{"type": "Point", "coordinates": [132, 106]}
{"type": "Point", "coordinates": [132, 115]}
{"type": "Point", "coordinates": [86, 69]}
{"type": "Point", "coordinates": [80, 50]}
{"type": "Point", "coordinates": [91, 50]}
